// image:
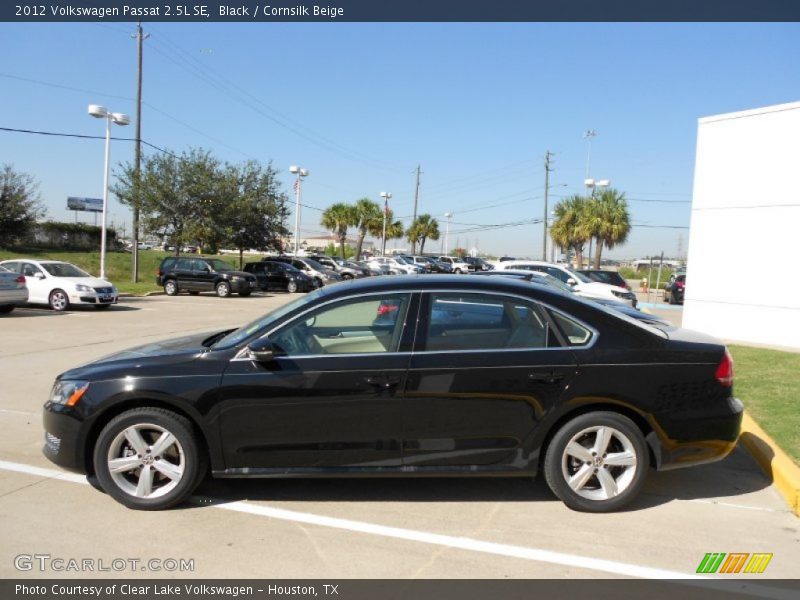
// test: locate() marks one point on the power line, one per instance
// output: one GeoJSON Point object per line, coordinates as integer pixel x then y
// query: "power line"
{"type": "Point", "coordinates": [86, 137]}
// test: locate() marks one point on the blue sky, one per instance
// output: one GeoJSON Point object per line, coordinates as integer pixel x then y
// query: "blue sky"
{"type": "Point", "coordinates": [360, 105]}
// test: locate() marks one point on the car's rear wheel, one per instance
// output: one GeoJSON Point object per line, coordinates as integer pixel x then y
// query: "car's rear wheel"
{"type": "Point", "coordinates": [597, 462]}
{"type": "Point", "coordinates": [291, 287]}
{"type": "Point", "coordinates": [59, 300]}
{"type": "Point", "coordinates": [149, 458]}
{"type": "Point", "coordinates": [170, 287]}
{"type": "Point", "coordinates": [347, 276]}
{"type": "Point", "coordinates": [223, 289]}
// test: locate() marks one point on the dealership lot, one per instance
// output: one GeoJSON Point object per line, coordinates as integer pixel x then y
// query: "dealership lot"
{"type": "Point", "coordinates": [345, 528]}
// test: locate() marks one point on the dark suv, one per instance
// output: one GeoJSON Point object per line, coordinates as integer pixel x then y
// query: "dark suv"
{"type": "Point", "coordinates": [197, 274]}
{"type": "Point", "coordinates": [274, 275]}
{"type": "Point", "coordinates": [476, 263]}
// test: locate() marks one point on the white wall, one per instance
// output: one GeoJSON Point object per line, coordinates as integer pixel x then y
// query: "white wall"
{"type": "Point", "coordinates": [743, 270]}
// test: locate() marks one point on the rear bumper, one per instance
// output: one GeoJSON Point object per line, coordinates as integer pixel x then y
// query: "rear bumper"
{"type": "Point", "coordinates": [697, 438]}
{"type": "Point", "coordinates": [13, 297]}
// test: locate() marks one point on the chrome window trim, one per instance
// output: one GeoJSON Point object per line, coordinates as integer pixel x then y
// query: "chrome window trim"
{"type": "Point", "coordinates": [241, 355]}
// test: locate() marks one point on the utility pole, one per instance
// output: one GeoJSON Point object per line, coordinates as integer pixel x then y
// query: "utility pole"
{"type": "Point", "coordinates": [414, 218]}
{"type": "Point", "coordinates": [547, 170]}
{"type": "Point", "coordinates": [140, 37]}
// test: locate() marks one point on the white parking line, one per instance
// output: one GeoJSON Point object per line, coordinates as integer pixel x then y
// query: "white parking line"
{"type": "Point", "coordinates": [20, 412]}
{"type": "Point", "coordinates": [435, 539]}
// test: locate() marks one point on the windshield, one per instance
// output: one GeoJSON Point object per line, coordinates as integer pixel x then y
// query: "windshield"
{"type": "Point", "coordinates": [552, 282]}
{"type": "Point", "coordinates": [239, 335]}
{"type": "Point", "coordinates": [219, 265]}
{"type": "Point", "coordinates": [64, 270]}
{"type": "Point", "coordinates": [314, 265]}
{"type": "Point", "coordinates": [403, 260]}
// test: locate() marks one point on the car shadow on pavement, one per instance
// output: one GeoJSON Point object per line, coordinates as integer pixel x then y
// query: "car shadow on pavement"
{"type": "Point", "coordinates": [738, 474]}
{"type": "Point", "coordinates": [45, 311]}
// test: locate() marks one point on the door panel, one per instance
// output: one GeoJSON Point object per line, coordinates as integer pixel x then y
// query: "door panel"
{"type": "Point", "coordinates": [475, 404]}
{"type": "Point", "coordinates": [317, 405]}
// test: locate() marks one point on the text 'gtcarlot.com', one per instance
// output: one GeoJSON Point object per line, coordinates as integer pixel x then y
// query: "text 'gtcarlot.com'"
{"type": "Point", "coordinates": [59, 564]}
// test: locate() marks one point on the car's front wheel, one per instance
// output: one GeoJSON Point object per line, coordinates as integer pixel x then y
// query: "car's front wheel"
{"type": "Point", "coordinates": [59, 300]}
{"type": "Point", "coordinates": [291, 287]}
{"type": "Point", "coordinates": [597, 462]}
{"type": "Point", "coordinates": [149, 458]}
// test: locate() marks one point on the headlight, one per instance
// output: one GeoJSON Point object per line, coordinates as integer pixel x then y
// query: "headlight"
{"type": "Point", "coordinates": [83, 288]}
{"type": "Point", "coordinates": [68, 393]}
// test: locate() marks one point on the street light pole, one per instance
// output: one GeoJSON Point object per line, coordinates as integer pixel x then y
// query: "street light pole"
{"type": "Point", "coordinates": [298, 186]}
{"type": "Point", "coordinates": [385, 196]}
{"type": "Point", "coordinates": [101, 112]}
{"type": "Point", "coordinates": [447, 216]}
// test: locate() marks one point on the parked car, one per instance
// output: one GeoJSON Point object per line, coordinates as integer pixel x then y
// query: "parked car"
{"type": "Point", "coordinates": [375, 269]}
{"type": "Point", "coordinates": [537, 277]}
{"type": "Point", "coordinates": [485, 376]}
{"type": "Point", "coordinates": [457, 264]}
{"type": "Point", "coordinates": [580, 282]}
{"type": "Point", "coordinates": [273, 275]}
{"type": "Point", "coordinates": [430, 264]}
{"type": "Point", "coordinates": [476, 263]}
{"type": "Point", "coordinates": [13, 290]}
{"type": "Point", "coordinates": [675, 290]}
{"type": "Point", "coordinates": [198, 274]}
{"type": "Point", "coordinates": [609, 277]}
{"type": "Point", "coordinates": [319, 273]}
{"type": "Point", "coordinates": [398, 265]}
{"type": "Point", "coordinates": [347, 269]}
{"type": "Point", "coordinates": [61, 284]}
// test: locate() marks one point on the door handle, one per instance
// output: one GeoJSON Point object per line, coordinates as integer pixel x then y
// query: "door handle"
{"type": "Point", "coordinates": [546, 377]}
{"type": "Point", "coordinates": [383, 383]}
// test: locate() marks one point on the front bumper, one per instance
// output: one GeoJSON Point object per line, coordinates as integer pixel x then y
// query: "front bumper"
{"type": "Point", "coordinates": [696, 437]}
{"type": "Point", "coordinates": [64, 437]}
{"type": "Point", "coordinates": [93, 298]}
{"type": "Point", "coordinates": [243, 285]}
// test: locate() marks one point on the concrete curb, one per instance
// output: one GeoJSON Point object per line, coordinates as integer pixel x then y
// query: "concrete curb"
{"type": "Point", "coordinates": [773, 461]}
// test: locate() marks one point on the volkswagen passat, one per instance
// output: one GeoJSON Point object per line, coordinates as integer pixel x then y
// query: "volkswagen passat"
{"type": "Point", "coordinates": [405, 376]}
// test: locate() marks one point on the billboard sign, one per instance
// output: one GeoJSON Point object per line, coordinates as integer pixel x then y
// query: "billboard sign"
{"type": "Point", "coordinates": [87, 204]}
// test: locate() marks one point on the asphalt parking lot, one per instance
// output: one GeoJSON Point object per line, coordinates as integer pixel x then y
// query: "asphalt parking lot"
{"type": "Point", "coordinates": [425, 528]}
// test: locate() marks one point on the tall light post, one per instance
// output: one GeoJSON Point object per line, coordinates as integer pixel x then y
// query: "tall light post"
{"type": "Point", "coordinates": [448, 216]}
{"type": "Point", "coordinates": [593, 184]}
{"type": "Point", "coordinates": [588, 135]}
{"type": "Point", "coordinates": [385, 196]}
{"type": "Point", "coordinates": [101, 112]}
{"type": "Point", "coordinates": [298, 186]}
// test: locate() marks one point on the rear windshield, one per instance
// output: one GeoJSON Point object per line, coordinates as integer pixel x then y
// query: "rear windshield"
{"type": "Point", "coordinates": [219, 265]}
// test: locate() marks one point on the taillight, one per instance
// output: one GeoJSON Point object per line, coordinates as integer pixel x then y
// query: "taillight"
{"type": "Point", "coordinates": [20, 279]}
{"type": "Point", "coordinates": [724, 372]}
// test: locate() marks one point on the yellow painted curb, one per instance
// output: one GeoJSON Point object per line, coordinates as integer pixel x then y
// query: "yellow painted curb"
{"type": "Point", "coordinates": [774, 461]}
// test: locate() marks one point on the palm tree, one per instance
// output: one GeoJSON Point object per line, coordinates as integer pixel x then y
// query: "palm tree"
{"type": "Point", "coordinates": [614, 221]}
{"type": "Point", "coordinates": [337, 218]}
{"type": "Point", "coordinates": [423, 228]}
{"type": "Point", "coordinates": [570, 229]}
{"type": "Point", "coordinates": [369, 220]}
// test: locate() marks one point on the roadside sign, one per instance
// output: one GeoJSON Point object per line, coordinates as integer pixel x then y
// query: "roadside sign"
{"type": "Point", "coordinates": [87, 204]}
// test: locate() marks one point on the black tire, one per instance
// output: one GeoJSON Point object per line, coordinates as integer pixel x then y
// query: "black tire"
{"type": "Point", "coordinates": [291, 287]}
{"type": "Point", "coordinates": [171, 287]}
{"type": "Point", "coordinates": [4, 310]}
{"type": "Point", "coordinates": [102, 306]}
{"type": "Point", "coordinates": [150, 423]}
{"type": "Point", "coordinates": [318, 282]}
{"type": "Point", "coordinates": [245, 294]}
{"type": "Point", "coordinates": [626, 440]}
{"type": "Point", "coordinates": [347, 277]}
{"type": "Point", "coordinates": [458, 271]}
{"type": "Point", "coordinates": [223, 289]}
{"type": "Point", "coordinates": [58, 300]}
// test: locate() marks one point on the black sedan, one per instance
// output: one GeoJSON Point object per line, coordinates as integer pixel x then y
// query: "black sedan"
{"type": "Point", "coordinates": [404, 376]}
{"type": "Point", "coordinates": [273, 275]}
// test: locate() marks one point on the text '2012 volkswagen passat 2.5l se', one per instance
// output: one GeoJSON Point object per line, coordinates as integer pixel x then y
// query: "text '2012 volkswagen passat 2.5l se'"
{"type": "Point", "coordinates": [405, 376]}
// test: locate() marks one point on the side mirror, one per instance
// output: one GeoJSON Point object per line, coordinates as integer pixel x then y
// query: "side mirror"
{"type": "Point", "coordinates": [39, 275]}
{"type": "Point", "coordinates": [571, 281]}
{"type": "Point", "coordinates": [261, 350]}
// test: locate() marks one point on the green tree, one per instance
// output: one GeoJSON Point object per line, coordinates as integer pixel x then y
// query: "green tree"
{"type": "Point", "coordinates": [570, 229]}
{"type": "Point", "coordinates": [369, 220]}
{"type": "Point", "coordinates": [610, 221]}
{"type": "Point", "coordinates": [337, 218]}
{"type": "Point", "coordinates": [422, 229]}
{"type": "Point", "coordinates": [19, 205]}
{"type": "Point", "coordinates": [394, 229]}
{"type": "Point", "coordinates": [256, 215]}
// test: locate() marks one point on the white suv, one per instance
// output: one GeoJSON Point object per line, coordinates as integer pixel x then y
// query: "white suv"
{"type": "Point", "coordinates": [459, 266]}
{"type": "Point", "coordinates": [580, 283]}
{"type": "Point", "coordinates": [397, 264]}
